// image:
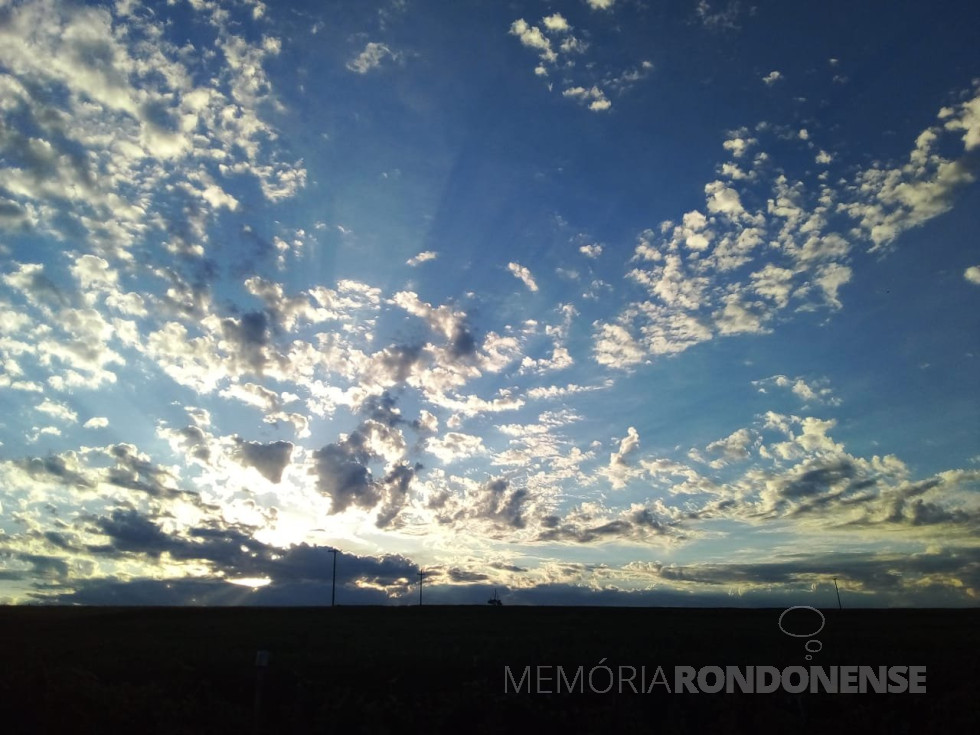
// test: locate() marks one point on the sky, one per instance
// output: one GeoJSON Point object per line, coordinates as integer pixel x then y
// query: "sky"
{"type": "Point", "coordinates": [590, 302]}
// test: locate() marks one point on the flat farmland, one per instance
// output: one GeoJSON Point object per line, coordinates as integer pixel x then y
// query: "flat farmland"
{"type": "Point", "coordinates": [470, 669]}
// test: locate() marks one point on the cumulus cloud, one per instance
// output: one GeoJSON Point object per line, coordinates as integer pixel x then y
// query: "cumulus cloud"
{"type": "Point", "coordinates": [772, 77]}
{"type": "Point", "coordinates": [148, 127]}
{"type": "Point", "coordinates": [620, 471]}
{"type": "Point", "coordinates": [889, 200]}
{"type": "Point", "coordinates": [269, 459]}
{"type": "Point", "coordinates": [559, 50]}
{"type": "Point", "coordinates": [532, 37]}
{"type": "Point", "coordinates": [342, 474]}
{"type": "Point", "coordinates": [592, 524]}
{"type": "Point", "coordinates": [739, 143]}
{"type": "Point", "coordinates": [556, 22]}
{"type": "Point", "coordinates": [58, 410]}
{"type": "Point", "coordinates": [736, 446]}
{"type": "Point", "coordinates": [815, 391]}
{"type": "Point", "coordinates": [593, 96]}
{"type": "Point", "coordinates": [523, 274]}
{"type": "Point", "coordinates": [454, 446]}
{"type": "Point", "coordinates": [500, 503]}
{"type": "Point", "coordinates": [972, 274]}
{"type": "Point", "coordinates": [687, 267]}
{"type": "Point", "coordinates": [965, 117]}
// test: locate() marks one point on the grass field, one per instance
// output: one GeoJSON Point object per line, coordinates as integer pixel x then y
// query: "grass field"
{"type": "Point", "coordinates": [442, 669]}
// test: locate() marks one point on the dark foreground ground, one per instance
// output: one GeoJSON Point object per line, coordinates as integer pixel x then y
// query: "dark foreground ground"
{"type": "Point", "coordinates": [442, 669]}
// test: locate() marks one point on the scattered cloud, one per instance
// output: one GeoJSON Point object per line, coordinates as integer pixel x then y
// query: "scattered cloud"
{"type": "Point", "coordinates": [454, 446]}
{"type": "Point", "coordinates": [805, 267]}
{"type": "Point", "coordinates": [371, 58]}
{"type": "Point", "coordinates": [423, 257]}
{"type": "Point", "coordinates": [532, 37]}
{"type": "Point", "coordinates": [594, 97]}
{"type": "Point", "coordinates": [524, 275]}
{"type": "Point", "coordinates": [556, 22]}
{"type": "Point", "coordinates": [720, 16]}
{"type": "Point", "coordinates": [823, 158]}
{"type": "Point", "coordinates": [559, 53]}
{"type": "Point", "coordinates": [816, 391]}
{"type": "Point", "coordinates": [145, 189]}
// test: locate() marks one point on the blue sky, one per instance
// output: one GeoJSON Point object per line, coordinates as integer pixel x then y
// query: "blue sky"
{"type": "Point", "coordinates": [599, 301]}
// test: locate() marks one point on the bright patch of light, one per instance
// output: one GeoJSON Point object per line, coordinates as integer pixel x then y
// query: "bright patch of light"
{"type": "Point", "coordinates": [253, 582]}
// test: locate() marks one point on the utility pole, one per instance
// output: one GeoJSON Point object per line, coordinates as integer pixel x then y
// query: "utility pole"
{"type": "Point", "coordinates": [333, 581]}
{"type": "Point", "coordinates": [839, 606]}
{"type": "Point", "coordinates": [421, 575]}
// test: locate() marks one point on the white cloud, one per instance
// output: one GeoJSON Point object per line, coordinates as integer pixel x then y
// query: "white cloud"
{"type": "Point", "coordinates": [830, 278]}
{"type": "Point", "coordinates": [823, 157]}
{"type": "Point", "coordinates": [619, 472]}
{"type": "Point", "coordinates": [672, 283]}
{"type": "Point", "coordinates": [809, 392]}
{"type": "Point", "coordinates": [890, 200]}
{"type": "Point", "coordinates": [573, 45]}
{"type": "Point", "coordinates": [772, 77]}
{"type": "Point", "coordinates": [738, 144]}
{"type": "Point", "coordinates": [454, 446]}
{"type": "Point", "coordinates": [616, 347]}
{"type": "Point", "coordinates": [559, 360]}
{"type": "Point", "coordinates": [370, 58]}
{"type": "Point", "coordinates": [600, 4]}
{"type": "Point", "coordinates": [967, 120]}
{"type": "Point", "coordinates": [58, 411]}
{"type": "Point", "coordinates": [428, 423]}
{"type": "Point", "coordinates": [737, 316]}
{"type": "Point", "coordinates": [422, 257]}
{"type": "Point", "coordinates": [556, 391]}
{"type": "Point", "coordinates": [522, 273]}
{"type": "Point", "coordinates": [532, 37]}
{"type": "Point", "coordinates": [775, 283]}
{"type": "Point", "coordinates": [594, 97]}
{"type": "Point", "coordinates": [557, 49]}
{"type": "Point", "coordinates": [556, 22]}
{"type": "Point", "coordinates": [723, 199]}
{"type": "Point", "coordinates": [972, 274]}
{"type": "Point", "coordinates": [591, 251]}
{"type": "Point", "coordinates": [149, 128]}
{"type": "Point", "coordinates": [736, 446]}
{"type": "Point", "coordinates": [685, 267]}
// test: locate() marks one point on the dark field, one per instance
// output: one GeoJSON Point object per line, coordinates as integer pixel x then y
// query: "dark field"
{"type": "Point", "coordinates": [441, 669]}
